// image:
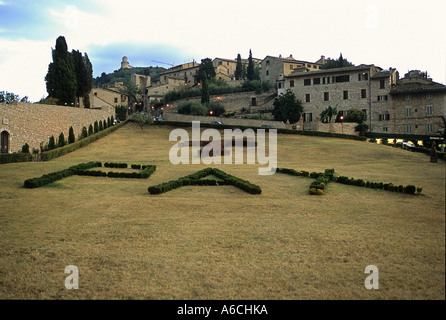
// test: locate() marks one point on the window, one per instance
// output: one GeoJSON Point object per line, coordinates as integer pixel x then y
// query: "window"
{"type": "Point", "coordinates": [408, 112]}
{"type": "Point", "coordinates": [363, 76]}
{"type": "Point", "coordinates": [385, 129]}
{"type": "Point", "coordinates": [308, 117]}
{"type": "Point", "coordinates": [345, 78]}
{"type": "Point", "coordinates": [326, 96]}
{"type": "Point", "coordinates": [95, 93]}
{"type": "Point", "coordinates": [267, 72]}
{"type": "Point", "coordinates": [429, 111]}
{"type": "Point", "coordinates": [408, 97]}
{"type": "Point", "coordinates": [116, 100]}
{"type": "Point", "coordinates": [429, 128]}
{"type": "Point", "coordinates": [382, 98]}
{"type": "Point", "coordinates": [317, 81]}
{"type": "Point", "coordinates": [307, 82]}
{"type": "Point", "coordinates": [363, 93]}
{"type": "Point", "coordinates": [291, 83]}
{"type": "Point", "coordinates": [382, 84]}
{"type": "Point", "coordinates": [345, 95]}
{"type": "Point", "coordinates": [428, 96]}
{"type": "Point", "coordinates": [408, 128]}
{"type": "Point", "coordinates": [384, 117]}
{"type": "Point", "coordinates": [253, 101]}
{"type": "Point", "coordinates": [291, 67]}
{"type": "Point", "coordinates": [326, 80]}
{"type": "Point", "coordinates": [279, 84]}
{"type": "Point", "coordinates": [267, 62]}
{"type": "Point", "coordinates": [307, 97]}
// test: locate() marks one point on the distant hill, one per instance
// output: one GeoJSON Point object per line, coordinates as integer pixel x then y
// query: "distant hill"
{"type": "Point", "coordinates": [123, 75]}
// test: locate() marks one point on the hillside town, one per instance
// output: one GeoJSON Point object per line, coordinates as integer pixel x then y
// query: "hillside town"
{"type": "Point", "coordinates": [405, 106]}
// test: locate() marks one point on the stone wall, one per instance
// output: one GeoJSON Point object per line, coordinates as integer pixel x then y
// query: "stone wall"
{"type": "Point", "coordinates": [236, 101]}
{"type": "Point", "coordinates": [36, 123]}
{"type": "Point", "coordinates": [337, 127]}
{"type": "Point", "coordinates": [172, 116]}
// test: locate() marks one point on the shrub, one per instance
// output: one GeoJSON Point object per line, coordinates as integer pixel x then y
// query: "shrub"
{"type": "Point", "coordinates": [410, 189]}
{"type": "Point", "coordinates": [115, 165]}
{"type": "Point", "coordinates": [96, 127]}
{"type": "Point", "coordinates": [51, 143]}
{"type": "Point", "coordinates": [71, 137]}
{"type": "Point", "coordinates": [15, 157]}
{"type": "Point", "coordinates": [84, 133]}
{"type": "Point", "coordinates": [61, 142]}
{"type": "Point", "coordinates": [100, 126]}
{"type": "Point", "coordinates": [90, 129]}
{"type": "Point", "coordinates": [25, 148]}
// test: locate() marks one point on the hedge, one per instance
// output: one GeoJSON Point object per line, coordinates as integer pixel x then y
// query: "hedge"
{"type": "Point", "coordinates": [194, 179]}
{"type": "Point", "coordinates": [15, 157]}
{"type": "Point", "coordinates": [318, 186]}
{"type": "Point", "coordinates": [54, 176]}
{"type": "Point", "coordinates": [48, 155]}
{"type": "Point", "coordinates": [82, 170]}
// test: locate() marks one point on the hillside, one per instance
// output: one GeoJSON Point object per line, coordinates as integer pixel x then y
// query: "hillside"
{"type": "Point", "coordinates": [124, 75]}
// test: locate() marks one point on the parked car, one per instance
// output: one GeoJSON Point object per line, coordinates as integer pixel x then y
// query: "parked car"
{"type": "Point", "coordinates": [159, 119]}
{"type": "Point", "coordinates": [216, 122]}
{"type": "Point", "coordinates": [267, 126]}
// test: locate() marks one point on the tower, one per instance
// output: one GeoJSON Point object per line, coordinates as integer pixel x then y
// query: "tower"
{"type": "Point", "coordinates": [125, 63]}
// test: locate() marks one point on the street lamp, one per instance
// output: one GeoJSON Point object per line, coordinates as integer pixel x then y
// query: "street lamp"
{"type": "Point", "coordinates": [342, 123]}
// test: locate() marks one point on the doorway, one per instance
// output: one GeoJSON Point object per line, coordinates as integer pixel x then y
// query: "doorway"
{"type": "Point", "coordinates": [4, 139]}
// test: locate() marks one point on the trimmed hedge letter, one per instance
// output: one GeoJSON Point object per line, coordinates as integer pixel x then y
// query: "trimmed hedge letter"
{"type": "Point", "coordinates": [72, 281]}
{"type": "Point", "coordinates": [371, 282]}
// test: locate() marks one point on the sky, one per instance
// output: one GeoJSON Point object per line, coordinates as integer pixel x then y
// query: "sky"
{"type": "Point", "coordinates": [406, 35]}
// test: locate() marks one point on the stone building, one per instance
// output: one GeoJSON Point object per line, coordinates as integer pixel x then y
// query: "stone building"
{"type": "Point", "coordinates": [125, 63]}
{"type": "Point", "coordinates": [224, 68]}
{"type": "Point", "coordinates": [343, 88]}
{"type": "Point", "coordinates": [107, 97]}
{"type": "Point", "coordinates": [418, 103]}
{"type": "Point", "coordinates": [273, 68]}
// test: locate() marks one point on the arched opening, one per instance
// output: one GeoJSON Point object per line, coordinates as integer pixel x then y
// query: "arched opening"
{"type": "Point", "coordinates": [4, 139]}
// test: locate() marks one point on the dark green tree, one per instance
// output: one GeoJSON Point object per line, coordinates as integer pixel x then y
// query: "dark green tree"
{"type": "Point", "coordinates": [88, 81]}
{"type": "Point", "coordinates": [337, 63]}
{"type": "Point", "coordinates": [100, 126]}
{"type": "Point", "coordinates": [61, 81]}
{"type": "Point", "coordinates": [250, 71]}
{"type": "Point", "coordinates": [84, 133]}
{"type": "Point", "coordinates": [90, 129]}
{"type": "Point", "coordinates": [61, 142]}
{"type": "Point", "coordinates": [206, 69]}
{"type": "Point", "coordinates": [238, 68]}
{"type": "Point", "coordinates": [355, 115]}
{"type": "Point", "coordinates": [51, 143]}
{"type": "Point", "coordinates": [205, 97]}
{"type": "Point", "coordinates": [104, 124]}
{"type": "Point", "coordinates": [287, 107]}
{"type": "Point", "coordinates": [96, 127]}
{"type": "Point", "coordinates": [71, 137]}
{"type": "Point", "coordinates": [25, 148]}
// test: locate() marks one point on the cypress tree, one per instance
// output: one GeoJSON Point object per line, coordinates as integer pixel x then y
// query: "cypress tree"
{"type": "Point", "coordinates": [84, 133]}
{"type": "Point", "coordinates": [96, 126]}
{"type": "Point", "coordinates": [51, 143]}
{"type": "Point", "coordinates": [61, 142]}
{"type": "Point", "coordinates": [71, 137]}
{"type": "Point", "coordinates": [205, 90]}
{"type": "Point", "coordinates": [61, 81]}
{"type": "Point", "coordinates": [90, 130]}
{"type": "Point", "coordinates": [239, 68]}
{"type": "Point", "coordinates": [250, 72]}
{"type": "Point", "coordinates": [100, 126]}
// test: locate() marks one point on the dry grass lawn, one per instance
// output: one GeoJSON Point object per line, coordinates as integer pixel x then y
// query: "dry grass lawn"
{"type": "Point", "coordinates": [220, 242]}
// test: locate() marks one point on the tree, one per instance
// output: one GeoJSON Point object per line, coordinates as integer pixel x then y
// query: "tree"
{"type": "Point", "coordinates": [71, 137]}
{"type": "Point", "coordinates": [355, 115]}
{"type": "Point", "coordinates": [51, 143]}
{"type": "Point", "coordinates": [238, 68]}
{"type": "Point", "coordinates": [90, 129]}
{"type": "Point", "coordinates": [61, 80]}
{"type": "Point", "coordinates": [132, 91]}
{"type": "Point", "coordinates": [141, 119]}
{"type": "Point", "coordinates": [205, 70]}
{"type": "Point", "coordinates": [205, 90]}
{"type": "Point", "coordinates": [287, 107]}
{"type": "Point", "coordinates": [61, 142]}
{"type": "Point", "coordinates": [337, 63]}
{"type": "Point", "coordinates": [88, 81]}
{"type": "Point", "coordinates": [250, 71]}
{"type": "Point", "coordinates": [328, 114]}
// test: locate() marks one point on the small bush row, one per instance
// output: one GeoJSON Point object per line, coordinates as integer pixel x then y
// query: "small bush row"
{"type": "Point", "coordinates": [409, 189]}
{"type": "Point", "coordinates": [15, 157]}
{"type": "Point", "coordinates": [318, 186]}
{"type": "Point", "coordinates": [54, 176]}
{"type": "Point", "coordinates": [194, 179]}
{"type": "Point", "coordinates": [48, 155]}
{"type": "Point", "coordinates": [115, 165]}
